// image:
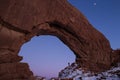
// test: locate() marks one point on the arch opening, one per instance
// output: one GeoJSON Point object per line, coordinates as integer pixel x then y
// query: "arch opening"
{"type": "Point", "coordinates": [46, 55]}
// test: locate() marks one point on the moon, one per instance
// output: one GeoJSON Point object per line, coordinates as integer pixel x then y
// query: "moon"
{"type": "Point", "coordinates": [94, 4]}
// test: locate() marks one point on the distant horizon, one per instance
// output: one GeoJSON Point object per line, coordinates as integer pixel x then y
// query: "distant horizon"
{"type": "Point", "coordinates": [47, 55]}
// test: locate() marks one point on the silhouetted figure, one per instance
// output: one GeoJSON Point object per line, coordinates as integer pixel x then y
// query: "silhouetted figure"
{"type": "Point", "coordinates": [68, 64]}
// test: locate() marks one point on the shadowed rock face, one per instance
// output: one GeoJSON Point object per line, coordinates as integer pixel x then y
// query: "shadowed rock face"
{"type": "Point", "coordinates": [20, 20]}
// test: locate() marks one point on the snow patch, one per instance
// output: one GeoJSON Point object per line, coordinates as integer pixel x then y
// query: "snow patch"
{"type": "Point", "coordinates": [72, 71]}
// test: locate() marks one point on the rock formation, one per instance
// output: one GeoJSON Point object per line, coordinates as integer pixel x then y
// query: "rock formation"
{"type": "Point", "coordinates": [20, 20]}
{"type": "Point", "coordinates": [75, 73]}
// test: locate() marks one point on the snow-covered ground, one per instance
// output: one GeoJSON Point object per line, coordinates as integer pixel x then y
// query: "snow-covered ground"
{"type": "Point", "coordinates": [78, 74]}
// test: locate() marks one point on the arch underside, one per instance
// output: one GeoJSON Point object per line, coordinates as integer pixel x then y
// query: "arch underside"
{"type": "Point", "coordinates": [83, 49]}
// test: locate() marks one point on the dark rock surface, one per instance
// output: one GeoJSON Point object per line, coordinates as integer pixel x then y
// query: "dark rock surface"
{"type": "Point", "coordinates": [14, 71]}
{"type": "Point", "coordinates": [20, 20]}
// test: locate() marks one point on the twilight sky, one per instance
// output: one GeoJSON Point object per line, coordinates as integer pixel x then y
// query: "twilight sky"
{"type": "Point", "coordinates": [47, 55]}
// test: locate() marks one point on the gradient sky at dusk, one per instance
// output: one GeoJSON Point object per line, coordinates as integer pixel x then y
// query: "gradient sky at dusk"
{"type": "Point", "coordinates": [47, 55]}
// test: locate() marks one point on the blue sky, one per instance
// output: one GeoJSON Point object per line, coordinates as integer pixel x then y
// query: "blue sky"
{"type": "Point", "coordinates": [104, 16]}
{"type": "Point", "coordinates": [47, 55]}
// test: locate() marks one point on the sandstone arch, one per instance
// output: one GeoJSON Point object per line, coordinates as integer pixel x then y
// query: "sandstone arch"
{"type": "Point", "coordinates": [20, 20]}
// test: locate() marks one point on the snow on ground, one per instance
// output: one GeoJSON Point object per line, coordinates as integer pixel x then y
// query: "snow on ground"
{"type": "Point", "coordinates": [78, 74]}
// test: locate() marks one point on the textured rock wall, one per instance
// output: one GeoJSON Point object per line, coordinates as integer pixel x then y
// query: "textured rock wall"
{"type": "Point", "coordinates": [15, 71]}
{"type": "Point", "coordinates": [10, 68]}
{"type": "Point", "coordinates": [20, 20]}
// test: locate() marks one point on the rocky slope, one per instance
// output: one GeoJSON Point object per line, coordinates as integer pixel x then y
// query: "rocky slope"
{"type": "Point", "coordinates": [73, 71]}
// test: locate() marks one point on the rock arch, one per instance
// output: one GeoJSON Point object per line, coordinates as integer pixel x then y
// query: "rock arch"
{"type": "Point", "coordinates": [20, 20]}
